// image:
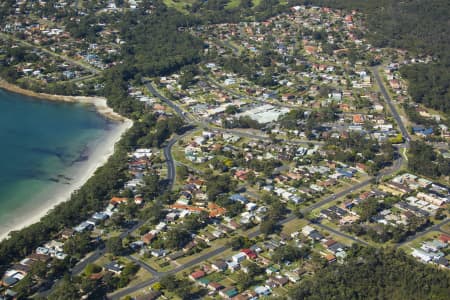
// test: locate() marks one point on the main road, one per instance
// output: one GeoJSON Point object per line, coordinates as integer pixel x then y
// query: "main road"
{"type": "Point", "coordinates": [172, 105]}
{"type": "Point", "coordinates": [436, 227]}
{"type": "Point", "coordinates": [196, 261]}
{"type": "Point", "coordinates": [391, 105]}
{"type": "Point", "coordinates": [206, 125]}
{"type": "Point", "coordinates": [171, 174]}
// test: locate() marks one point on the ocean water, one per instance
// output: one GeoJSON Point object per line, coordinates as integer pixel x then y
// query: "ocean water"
{"type": "Point", "coordinates": [40, 143]}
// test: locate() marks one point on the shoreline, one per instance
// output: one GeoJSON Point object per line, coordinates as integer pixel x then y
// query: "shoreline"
{"type": "Point", "coordinates": [99, 103]}
{"type": "Point", "coordinates": [98, 154]}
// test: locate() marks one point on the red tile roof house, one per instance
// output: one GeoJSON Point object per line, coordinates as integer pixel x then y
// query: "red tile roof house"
{"type": "Point", "coordinates": [214, 286]}
{"type": "Point", "coordinates": [329, 243]}
{"type": "Point", "coordinates": [197, 275]}
{"type": "Point", "coordinates": [147, 238]}
{"type": "Point", "coordinates": [444, 238]}
{"type": "Point", "coordinates": [249, 253]}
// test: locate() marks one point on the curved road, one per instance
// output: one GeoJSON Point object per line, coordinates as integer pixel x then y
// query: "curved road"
{"type": "Point", "coordinates": [171, 176]}
{"type": "Point", "coordinates": [436, 227]}
{"type": "Point", "coordinates": [205, 125]}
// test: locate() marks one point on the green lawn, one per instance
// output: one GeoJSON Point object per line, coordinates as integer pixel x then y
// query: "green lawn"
{"type": "Point", "coordinates": [233, 4]}
{"type": "Point", "coordinates": [446, 228]}
{"type": "Point", "coordinates": [417, 242]}
{"type": "Point", "coordinates": [179, 5]}
{"type": "Point", "coordinates": [294, 225]}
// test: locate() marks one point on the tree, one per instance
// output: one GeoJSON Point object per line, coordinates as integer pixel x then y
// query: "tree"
{"type": "Point", "coordinates": [78, 245]}
{"type": "Point", "coordinates": [244, 281]}
{"type": "Point", "coordinates": [66, 289]}
{"type": "Point", "coordinates": [268, 226]}
{"type": "Point", "coordinates": [114, 246]}
{"type": "Point", "coordinates": [289, 253]}
{"type": "Point", "coordinates": [176, 238]}
{"type": "Point", "coordinates": [218, 185]}
{"type": "Point", "coordinates": [375, 274]}
{"type": "Point", "coordinates": [92, 269]}
{"type": "Point", "coordinates": [169, 282]}
{"type": "Point", "coordinates": [153, 214]}
{"type": "Point", "coordinates": [240, 242]}
{"type": "Point", "coordinates": [182, 172]}
{"type": "Point", "coordinates": [231, 110]}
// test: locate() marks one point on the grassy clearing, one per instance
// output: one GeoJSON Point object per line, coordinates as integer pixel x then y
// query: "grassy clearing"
{"type": "Point", "coordinates": [446, 228]}
{"type": "Point", "coordinates": [181, 6]}
{"type": "Point", "coordinates": [417, 242]}
{"type": "Point", "coordinates": [294, 225]}
{"type": "Point", "coordinates": [141, 276]}
{"type": "Point", "coordinates": [233, 4]}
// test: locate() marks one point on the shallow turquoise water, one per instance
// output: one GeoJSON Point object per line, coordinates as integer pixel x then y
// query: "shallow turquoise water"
{"type": "Point", "coordinates": [39, 141]}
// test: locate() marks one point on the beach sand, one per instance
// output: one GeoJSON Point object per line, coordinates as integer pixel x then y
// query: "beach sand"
{"type": "Point", "coordinates": [98, 102]}
{"type": "Point", "coordinates": [80, 171]}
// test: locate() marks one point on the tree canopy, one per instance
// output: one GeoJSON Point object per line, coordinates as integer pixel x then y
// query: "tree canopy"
{"type": "Point", "coordinates": [371, 273]}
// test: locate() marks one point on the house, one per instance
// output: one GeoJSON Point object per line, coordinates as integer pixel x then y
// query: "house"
{"type": "Point", "coordinates": [306, 230]}
{"type": "Point", "coordinates": [84, 226]}
{"type": "Point", "coordinates": [67, 233]}
{"type": "Point", "coordinates": [159, 252]}
{"type": "Point", "coordinates": [152, 295]}
{"type": "Point", "coordinates": [100, 216]}
{"type": "Point", "coordinates": [228, 293]}
{"type": "Point", "coordinates": [197, 275]}
{"type": "Point", "coordinates": [238, 198]}
{"type": "Point", "coordinates": [329, 243]}
{"type": "Point", "coordinates": [9, 281]}
{"type": "Point", "coordinates": [358, 119]}
{"type": "Point", "coordinates": [214, 286]}
{"type": "Point", "coordinates": [176, 255]}
{"type": "Point", "coordinates": [249, 253]}
{"type": "Point", "coordinates": [262, 290]}
{"type": "Point", "coordinates": [315, 235]}
{"type": "Point", "coordinates": [330, 258]}
{"type": "Point", "coordinates": [189, 246]}
{"type": "Point", "coordinates": [422, 255]}
{"type": "Point", "coordinates": [115, 201]}
{"type": "Point", "coordinates": [114, 267]}
{"type": "Point", "coordinates": [234, 225]}
{"type": "Point", "coordinates": [395, 189]}
{"type": "Point", "coordinates": [42, 251]}
{"type": "Point", "coordinates": [445, 238]}
{"type": "Point", "coordinates": [148, 238]}
{"type": "Point", "coordinates": [203, 282]}
{"type": "Point", "coordinates": [39, 257]}
{"type": "Point", "coordinates": [233, 266]}
{"type": "Point", "coordinates": [431, 198]}
{"type": "Point", "coordinates": [247, 295]}
{"type": "Point", "coordinates": [136, 245]}
{"type": "Point", "coordinates": [93, 221]}
{"type": "Point", "coordinates": [433, 246]}
{"type": "Point", "coordinates": [219, 265]}
{"type": "Point", "coordinates": [278, 281]}
{"type": "Point", "coordinates": [239, 257]}
{"type": "Point", "coordinates": [336, 247]}
{"type": "Point", "coordinates": [272, 270]}
{"type": "Point", "coordinates": [292, 276]}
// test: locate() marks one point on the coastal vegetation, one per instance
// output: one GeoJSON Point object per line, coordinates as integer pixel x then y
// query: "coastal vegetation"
{"type": "Point", "coordinates": [424, 160]}
{"type": "Point", "coordinates": [375, 274]}
{"type": "Point", "coordinates": [92, 196]}
{"type": "Point", "coordinates": [270, 171]}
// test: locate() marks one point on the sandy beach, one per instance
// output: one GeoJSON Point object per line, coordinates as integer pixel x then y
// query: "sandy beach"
{"type": "Point", "coordinates": [98, 154]}
{"type": "Point", "coordinates": [98, 102]}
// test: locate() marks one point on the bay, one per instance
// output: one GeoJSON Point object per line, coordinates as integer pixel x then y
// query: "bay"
{"type": "Point", "coordinates": [44, 147]}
